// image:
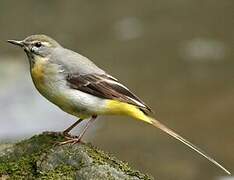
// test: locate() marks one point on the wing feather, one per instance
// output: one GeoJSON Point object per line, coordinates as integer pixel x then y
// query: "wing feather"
{"type": "Point", "coordinates": [105, 86]}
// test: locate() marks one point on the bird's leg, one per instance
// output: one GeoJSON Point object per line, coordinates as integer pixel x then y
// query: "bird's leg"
{"type": "Point", "coordinates": [66, 131]}
{"type": "Point", "coordinates": [77, 139]}
{"type": "Point", "coordinates": [94, 117]}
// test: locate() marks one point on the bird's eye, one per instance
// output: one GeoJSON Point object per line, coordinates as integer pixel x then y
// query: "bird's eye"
{"type": "Point", "coordinates": [37, 44]}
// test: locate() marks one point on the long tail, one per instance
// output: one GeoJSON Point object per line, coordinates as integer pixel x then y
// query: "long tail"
{"type": "Point", "coordinates": [138, 114]}
{"type": "Point", "coordinates": [172, 133]}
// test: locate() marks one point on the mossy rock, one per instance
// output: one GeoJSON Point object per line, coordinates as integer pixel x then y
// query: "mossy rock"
{"type": "Point", "coordinates": [40, 157]}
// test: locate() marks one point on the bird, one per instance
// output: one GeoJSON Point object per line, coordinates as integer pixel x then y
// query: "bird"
{"type": "Point", "coordinates": [79, 87]}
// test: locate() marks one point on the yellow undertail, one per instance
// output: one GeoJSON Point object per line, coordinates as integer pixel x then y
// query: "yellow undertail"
{"type": "Point", "coordinates": [120, 108]}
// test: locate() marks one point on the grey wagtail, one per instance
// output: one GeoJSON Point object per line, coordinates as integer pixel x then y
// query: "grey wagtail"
{"type": "Point", "coordinates": [77, 86]}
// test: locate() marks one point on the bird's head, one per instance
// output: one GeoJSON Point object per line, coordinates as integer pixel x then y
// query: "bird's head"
{"type": "Point", "coordinates": [37, 46]}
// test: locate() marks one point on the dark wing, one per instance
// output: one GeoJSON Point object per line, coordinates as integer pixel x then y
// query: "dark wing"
{"type": "Point", "coordinates": [105, 86]}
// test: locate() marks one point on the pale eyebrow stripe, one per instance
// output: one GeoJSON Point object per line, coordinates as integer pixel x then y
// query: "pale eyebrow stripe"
{"type": "Point", "coordinates": [46, 43]}
{"type": "Point", "coordinates": [42, 42]}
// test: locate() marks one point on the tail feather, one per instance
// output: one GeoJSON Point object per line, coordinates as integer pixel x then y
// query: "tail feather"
{"type": "Point", "coordinates": [116, 107]}
{"type": "Point", "coordinates": [161, 126]}
{"type": "Point", "coordinates": [141, 116]}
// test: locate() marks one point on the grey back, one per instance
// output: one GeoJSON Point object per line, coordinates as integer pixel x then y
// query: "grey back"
{"type": "Point", "coordinates": [73, 62]}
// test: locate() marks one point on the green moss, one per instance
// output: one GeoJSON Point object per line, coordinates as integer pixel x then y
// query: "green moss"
{"type": "Point", "coordinates": [17, 170]}
{"type": "Point", "coordinates": [60, 172]}
{"type": "Point", "coordinates": [21, 162]}
{"type": "Point", "coordinates": [40, 158]}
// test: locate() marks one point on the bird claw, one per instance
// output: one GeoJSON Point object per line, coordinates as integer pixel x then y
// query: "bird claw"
{"type": "Point", "coordinates": [71, 141]}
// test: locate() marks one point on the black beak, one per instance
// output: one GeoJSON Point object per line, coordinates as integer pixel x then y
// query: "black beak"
{"type": "Point", "coordinates": [18, 43]}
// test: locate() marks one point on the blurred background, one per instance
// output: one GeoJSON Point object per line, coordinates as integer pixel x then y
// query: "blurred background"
{"type": "Point", "coordinates": [176, 55]}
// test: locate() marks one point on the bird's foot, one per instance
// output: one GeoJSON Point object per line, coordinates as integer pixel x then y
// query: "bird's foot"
{"type": "Point", "coordinates": [71, 140]}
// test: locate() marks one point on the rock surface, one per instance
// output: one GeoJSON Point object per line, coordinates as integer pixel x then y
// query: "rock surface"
{"type": "Point", "coordinates": [40, 157]}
